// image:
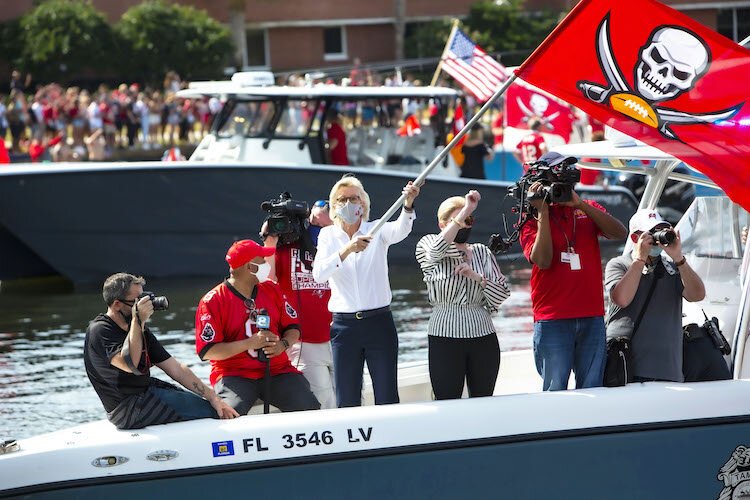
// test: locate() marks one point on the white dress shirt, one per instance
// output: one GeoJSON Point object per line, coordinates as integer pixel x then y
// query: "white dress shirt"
{"type": "Point", "coordinates": [360, 282]}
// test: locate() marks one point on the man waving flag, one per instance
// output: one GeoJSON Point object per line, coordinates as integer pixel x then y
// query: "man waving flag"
{"type": "Point", "coordinates": [659, 76]}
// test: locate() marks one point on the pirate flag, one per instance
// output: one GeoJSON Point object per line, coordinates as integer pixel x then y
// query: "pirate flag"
{"type": "Point", "coordinates": [659, 76]}
{"type": "Point", "coordinates": [524, 101]}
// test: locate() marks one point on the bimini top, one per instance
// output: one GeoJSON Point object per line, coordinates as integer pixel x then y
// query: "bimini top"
{"type": "Point", "coordinates": [231, 88]}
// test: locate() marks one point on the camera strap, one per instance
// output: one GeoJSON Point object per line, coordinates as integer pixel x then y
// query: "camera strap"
{"type": "Point", "coordinates": [569, 243]}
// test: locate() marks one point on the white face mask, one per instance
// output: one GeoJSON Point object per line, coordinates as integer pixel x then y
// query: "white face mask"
{"type": "Point", "coordinates": [350, 213]}
{"type": "Point", "coordinates": [263, 271]}
{"type": "Point", "coordinates": [655, 251]}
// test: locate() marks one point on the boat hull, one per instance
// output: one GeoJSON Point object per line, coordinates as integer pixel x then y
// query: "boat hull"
{"type": "Point", "coordinates": [174, 221]}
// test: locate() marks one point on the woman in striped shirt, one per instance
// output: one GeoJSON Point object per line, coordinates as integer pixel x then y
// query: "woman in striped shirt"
{"type": "Point", "coordinates": [465, 286]}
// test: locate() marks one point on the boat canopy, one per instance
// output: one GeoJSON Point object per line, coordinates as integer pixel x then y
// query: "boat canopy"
{"type": "Point", "coordinates": [222, 88]}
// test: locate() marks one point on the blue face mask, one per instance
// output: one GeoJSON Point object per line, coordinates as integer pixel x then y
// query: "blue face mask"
{"type": "Point", "coordinates": [655, 251]}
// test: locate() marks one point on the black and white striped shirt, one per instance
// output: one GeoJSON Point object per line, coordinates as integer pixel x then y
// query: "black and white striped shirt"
{"type": "Point", "coordinates": [461, 306]}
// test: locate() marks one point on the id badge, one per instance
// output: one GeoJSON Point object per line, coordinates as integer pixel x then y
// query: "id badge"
{"type": "Point", "coordinates": [575, 262]}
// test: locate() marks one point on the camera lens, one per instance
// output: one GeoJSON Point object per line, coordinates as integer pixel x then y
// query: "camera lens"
{"type": "Point", "coordinates": [664, 236]}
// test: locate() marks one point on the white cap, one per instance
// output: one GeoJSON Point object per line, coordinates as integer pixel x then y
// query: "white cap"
{"type": "Point", "coordinates": [645, 220]}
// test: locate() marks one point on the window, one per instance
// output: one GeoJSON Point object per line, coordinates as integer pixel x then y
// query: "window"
{"type": "Point", "coordinates": [256, 48]}
{"type": "Point", "coordinates": [734, 23]}
{"type": "Point", "coordinates": [334, 44]}
{"type": "Point", "coordinates": [248, 119]}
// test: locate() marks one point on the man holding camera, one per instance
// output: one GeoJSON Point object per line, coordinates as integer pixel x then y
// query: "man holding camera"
{"type": "Point", "coordinates": [291, 268]}
{"type": "Point", "coordinates": [229, 334]}
{"type": "Point", "coordinates": [561, 243]}
{"type": "Point", "coordinates": [118, 353]}
{"type": "Point", "coordinates": [646, 288]}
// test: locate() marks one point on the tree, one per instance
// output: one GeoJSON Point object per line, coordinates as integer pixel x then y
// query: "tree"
{"type": "Point", "coordinates": [163, 37]}
{"type": "Point", "coordinates": [60, 38]}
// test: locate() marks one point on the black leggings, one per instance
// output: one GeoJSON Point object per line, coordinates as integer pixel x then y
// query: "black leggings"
{"type": "Point", "coordinates": [452, 361]}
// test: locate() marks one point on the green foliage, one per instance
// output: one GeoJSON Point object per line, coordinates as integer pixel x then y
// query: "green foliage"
{"type": "Point", "coordinates": [506, 27]}
{"type": "Point", "coordinates": [10, 41]}
{"type": "Point", "coordinates": [61, 39]}
{"type": "Point", "coordinates": [162, 37]}
{"type": "Point", "coordinates": [497, 26]}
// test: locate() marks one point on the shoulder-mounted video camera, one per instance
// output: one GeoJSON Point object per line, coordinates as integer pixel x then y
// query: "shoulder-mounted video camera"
{"type": "Point", "coordinates": [286, 217]}
{"type": "Point", "coordinates": [558, 176]}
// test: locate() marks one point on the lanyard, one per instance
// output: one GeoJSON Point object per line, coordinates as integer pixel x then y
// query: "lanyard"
{"type": "Point", "coordinates": [572, 242]}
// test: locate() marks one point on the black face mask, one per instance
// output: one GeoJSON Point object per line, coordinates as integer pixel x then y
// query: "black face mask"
{"type": "Point", "coordinates": [462, 236]}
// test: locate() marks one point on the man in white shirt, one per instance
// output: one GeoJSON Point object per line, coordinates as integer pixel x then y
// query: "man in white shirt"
{"type": "Point", "coordinates": [356, 267]}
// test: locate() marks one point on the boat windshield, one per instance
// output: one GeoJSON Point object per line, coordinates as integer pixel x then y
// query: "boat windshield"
{"type": "Point", "coordinates": [296, 118]}
{"type": "Point", "coordinates": [712, 227]}
{"type": "Point", "coordinates": [248, 119]}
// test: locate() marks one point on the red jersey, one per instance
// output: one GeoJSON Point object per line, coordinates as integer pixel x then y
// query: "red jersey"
{"type": "Point", "coordinates": [560, 292]}
{"type": "Point", "coordinates": [532, 147]}
{"type": "Point", "coordinates": [310, 299]}
{"type": "Point", "coordinates": [223, 317]}
{"type": "Point", "coordinates": [338, 154]}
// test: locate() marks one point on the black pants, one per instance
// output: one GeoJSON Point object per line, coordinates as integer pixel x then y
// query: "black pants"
{"type": "Point", "coordinates": [702, 361]}
{"type": "Point", "coordinates": [452, 361]}
{"type": "Point", "coordinates": [289, 392]}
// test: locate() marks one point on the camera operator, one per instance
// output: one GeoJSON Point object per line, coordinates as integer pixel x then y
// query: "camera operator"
{"type": "Point", "coordinates": [567, 297]}
{"type": "Point", "coordinates": [657, 350]}
{"type": "Point", "coordinates": [118, 353]}
{"type": "Point", "coordinates": [226, 333]}
{"type": "Point", "coordinates": [291, 268]}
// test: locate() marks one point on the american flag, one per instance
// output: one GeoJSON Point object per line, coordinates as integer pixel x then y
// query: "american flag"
{"type": "Point", "coordinates": [472, 67]}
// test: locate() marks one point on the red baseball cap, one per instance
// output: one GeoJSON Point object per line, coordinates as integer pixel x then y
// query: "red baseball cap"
{"type": "Point", "coordinates": [243, 251]}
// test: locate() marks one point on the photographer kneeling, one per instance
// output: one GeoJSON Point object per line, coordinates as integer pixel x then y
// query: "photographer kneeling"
{"type": "Point", "coordinates": [119, 352]}
{"type": "Point", "coordinates": [561, 241]}
{"type": "Point", "coordinates": [646, 289]}
{"type": "Point", "coordinates": [294, 237]}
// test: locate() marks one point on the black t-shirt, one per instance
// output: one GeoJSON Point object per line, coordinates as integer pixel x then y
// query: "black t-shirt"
{"type": "Point", "coordinates": [473, 167]}
{"type": "Point", "coordinates": [104, 340]}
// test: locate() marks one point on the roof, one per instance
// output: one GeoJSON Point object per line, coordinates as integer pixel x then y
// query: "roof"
{"type": "Point", "coordinates": [198, 89]}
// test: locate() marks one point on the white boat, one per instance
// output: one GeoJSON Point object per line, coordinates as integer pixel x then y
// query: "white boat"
{"type": "Point", "coordinates": [647, 441]}
{"type": "Point", "coordinates": [57, 218]}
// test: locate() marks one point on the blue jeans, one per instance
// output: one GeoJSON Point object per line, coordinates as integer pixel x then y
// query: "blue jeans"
{"type": "Point", "coordinates": [354, 342]}
{"type": "Point", "coordinates": [564, 344]}
{"type": "Point", "coordinates": [187, 405]}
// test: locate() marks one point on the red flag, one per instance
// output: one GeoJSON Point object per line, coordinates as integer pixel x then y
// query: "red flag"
{"type": "Point", "coordinates": [410, 127]}
{"type": "Point", "coordinates": [657, 75]}
{"type": "Point", "coordinates": [472, 67]}
{"type": "Point", "coordinates": [522, 101]}
{"type": "Point", "coordinates": [458, 123]}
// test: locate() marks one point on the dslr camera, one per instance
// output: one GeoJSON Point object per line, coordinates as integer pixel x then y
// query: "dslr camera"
{"type": "Point", "coordinates": [665, 235]}
{"type": "Point", "coordinates": [160, 302]}
{"type": "Point", "coordinates": [558, 176]}
{"type": "Point", "coordinates": [286, 217]}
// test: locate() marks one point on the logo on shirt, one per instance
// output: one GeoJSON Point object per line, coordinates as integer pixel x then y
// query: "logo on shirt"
{"type": "Point", "coordinates": [735, 474]}
{"type": "Point", "coordinates": [209, 295]}
{"type": "Point", "coordinates": [223, 448]}
{"type": "Point", "coordinates": [208, 333]}
{"type": "Point", "coordinates": [205, 317]}
{"type": "Point", "coordinates": [290, 310]}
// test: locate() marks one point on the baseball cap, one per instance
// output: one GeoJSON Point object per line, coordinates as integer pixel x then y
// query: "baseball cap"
{"type": "Point", "coordinates": [243, 251]}
{"type": "Point", "coordinates": [645, 220]}
{"type": "Point", "coordinates": [551, 158]}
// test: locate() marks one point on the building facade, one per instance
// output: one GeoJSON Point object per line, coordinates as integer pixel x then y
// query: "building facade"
{"type": "Point", "coordinates": [295, 34]}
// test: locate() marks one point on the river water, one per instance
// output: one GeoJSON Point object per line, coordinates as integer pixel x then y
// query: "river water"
{"type": "Point", "coordinates": [43, 384]}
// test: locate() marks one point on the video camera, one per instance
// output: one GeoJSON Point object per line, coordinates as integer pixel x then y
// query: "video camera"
{"type": "Point", "coordinates": [160, 302]}
{"type": "Point", "coordinates": [558, 176]}
{"type": "Point", "coordinates": [286, 217]}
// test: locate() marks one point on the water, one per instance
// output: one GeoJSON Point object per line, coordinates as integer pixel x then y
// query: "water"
{"type": "Point", "coordinates": [43, 384]}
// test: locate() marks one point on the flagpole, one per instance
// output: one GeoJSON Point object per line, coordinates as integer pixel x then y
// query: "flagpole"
{"type": "Point", "coordinates": [439, 158]}
{"type": "Point", "coordinates": [445, 51]}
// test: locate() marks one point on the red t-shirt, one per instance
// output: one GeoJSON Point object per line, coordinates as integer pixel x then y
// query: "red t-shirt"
{"type": "Point", "coordinates": [310, 299]}
{"type": "Point", "coordinates": [223, 317]}
{"type": "Point", "coordinates": [338, 154]}
{"type": "Point", "coordinates": [560, 292]}
{"type": "Point", "coordinates": [531, 147]}
{"type": "Point", "coordinates": [498, 123]}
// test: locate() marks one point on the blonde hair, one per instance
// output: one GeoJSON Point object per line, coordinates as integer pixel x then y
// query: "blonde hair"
{"type": "Point", "coordinates": [349, 181]}
{"type": "Point", "coordinates": [447, 207]}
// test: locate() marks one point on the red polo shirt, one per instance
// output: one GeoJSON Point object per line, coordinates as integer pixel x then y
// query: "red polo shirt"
{"type": "Point", "coordinates": [222, 316]}
{"type": "Point", "coordinates": [560, 292]}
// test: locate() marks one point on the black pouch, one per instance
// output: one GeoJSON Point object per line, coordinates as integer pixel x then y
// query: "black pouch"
{"type": "Point", "coordinates": [720, 342]}
{"type": "Point", "coordinates": [617, 371]}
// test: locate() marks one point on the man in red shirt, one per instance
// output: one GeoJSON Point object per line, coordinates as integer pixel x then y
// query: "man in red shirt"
{"type": "Point", "coordinates": [291, 268]}
{"type": "Point", "coordinates": [336, 138]}
{"type": "Point", "coordinates": [531, 147]}
{"type": "Point", "coordinates": [567, 292]}
{"type": "Point", "coordinates": [226, 333]}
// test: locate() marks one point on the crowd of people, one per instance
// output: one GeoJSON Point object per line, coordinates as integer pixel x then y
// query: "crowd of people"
{"type": "Point", "coordinates": [299, 316]}
{"type": "Point", "coordinates": [55, 123]}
